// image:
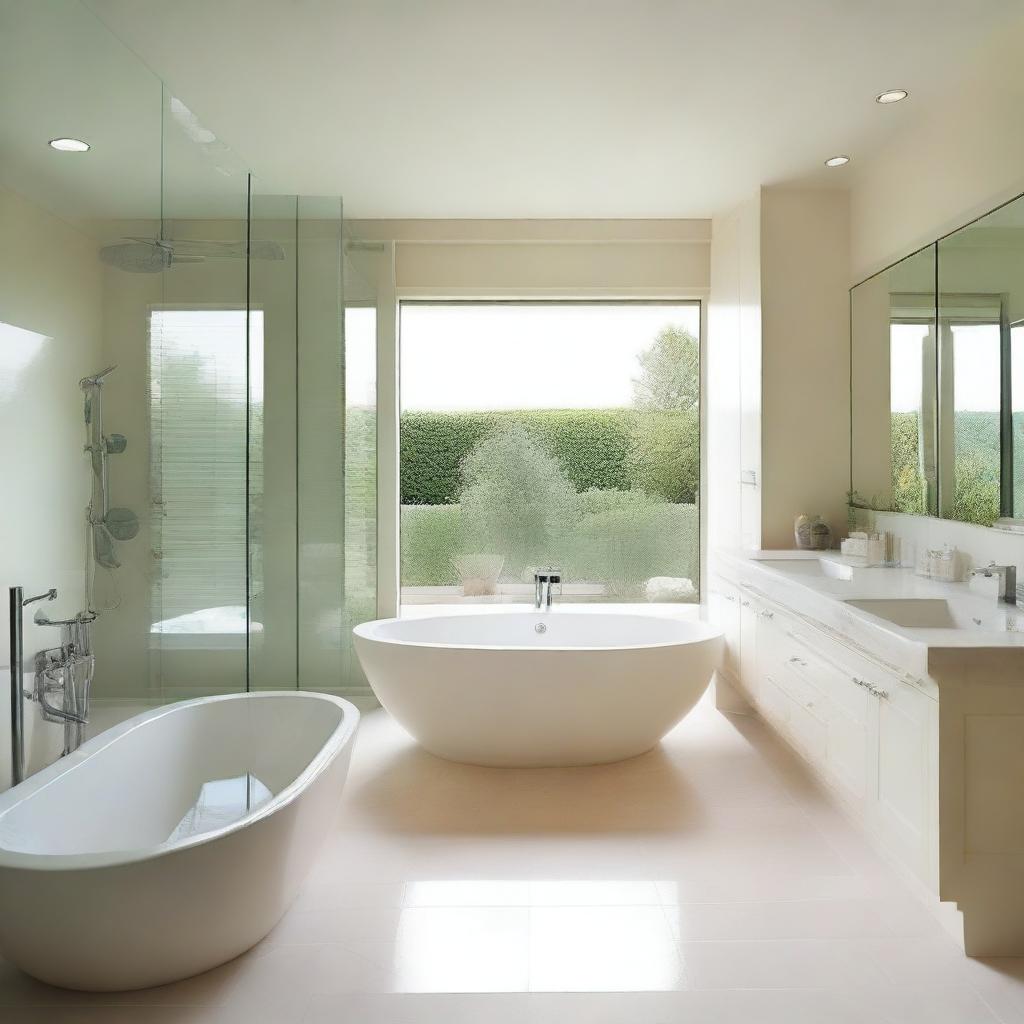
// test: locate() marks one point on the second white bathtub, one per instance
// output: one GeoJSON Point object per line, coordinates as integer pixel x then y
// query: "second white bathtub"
{"type": "Point", "coordinates": [172, 842]}
{"type": "Point", "coordinates": [520, 689]}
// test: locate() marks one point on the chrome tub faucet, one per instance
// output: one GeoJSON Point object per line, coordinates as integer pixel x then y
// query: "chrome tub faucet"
{"type": "Point", "coordinates": [543, 579]}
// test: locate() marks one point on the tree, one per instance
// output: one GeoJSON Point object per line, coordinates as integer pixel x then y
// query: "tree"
{"type": "Point", "coordinates": [515, 501]}
{"type": "Point", "coordinates": [669, 378]}
{"type": "Point", "coordinates": [664, 455]}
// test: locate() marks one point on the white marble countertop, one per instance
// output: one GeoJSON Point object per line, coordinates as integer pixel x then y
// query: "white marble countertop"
{"type": "Point", "coordinates": [788, 578]}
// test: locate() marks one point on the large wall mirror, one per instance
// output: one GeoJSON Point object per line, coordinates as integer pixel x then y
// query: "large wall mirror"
{"type": "Point", "coordinates": [937, 377]}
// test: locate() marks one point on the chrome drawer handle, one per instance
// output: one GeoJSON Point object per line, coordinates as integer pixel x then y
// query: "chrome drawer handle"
{"type": "Point", "coordinates": [873, 690]}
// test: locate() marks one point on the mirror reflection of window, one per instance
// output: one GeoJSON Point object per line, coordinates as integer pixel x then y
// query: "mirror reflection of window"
{"type": "Point", "coordinates": [908, 345]}
{"type": "Point", "coordinates": [1017, 414]}
{"type": "Point", "coordinates": [976, 423]}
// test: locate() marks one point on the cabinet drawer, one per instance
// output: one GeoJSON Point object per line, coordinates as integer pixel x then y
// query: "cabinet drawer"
{"type": "Point", "coordinates": [838, 701]}
{"type": "Point", "coordinates": [796, 719]}
{"type": "Point", "coordinates": [842, 687]}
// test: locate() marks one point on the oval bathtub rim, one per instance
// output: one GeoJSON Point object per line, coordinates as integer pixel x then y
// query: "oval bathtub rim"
{"type": "Point", "coordinates": [367, 631]}
{"type": "Point", "coordinates": [21, 860]}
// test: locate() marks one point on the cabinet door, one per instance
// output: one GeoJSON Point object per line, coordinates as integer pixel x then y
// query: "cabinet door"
{"type": "Point", "coordinates": [903, 778]}
{"type": "Point", "coordinates": [845, 710]}
{"type": "Point", "coordinates": [749, 667]}
{"type": "Point", "coordinates": [847, 757]}
{"type": "Point", "coordinates": [724, 610]}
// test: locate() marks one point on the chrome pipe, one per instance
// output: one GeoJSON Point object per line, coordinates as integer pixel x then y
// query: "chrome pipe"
{"type": "Point", "coordinates": [17, 602]}
{"type": "Point", "coordinates": [16, 596]}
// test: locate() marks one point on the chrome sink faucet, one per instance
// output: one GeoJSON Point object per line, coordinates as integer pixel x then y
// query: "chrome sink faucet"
{"type": "Point", "coordinates": [1007, 579]}
{"type": "Point", "coordinates": [542, 581]}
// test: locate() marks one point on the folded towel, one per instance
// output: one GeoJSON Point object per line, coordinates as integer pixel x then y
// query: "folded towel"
{"type": "Point", "coordinates": [669, 588]}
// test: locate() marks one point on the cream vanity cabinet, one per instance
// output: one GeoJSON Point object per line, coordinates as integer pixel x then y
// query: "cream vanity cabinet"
{"type": "Point", "coordinates": [868, 734]}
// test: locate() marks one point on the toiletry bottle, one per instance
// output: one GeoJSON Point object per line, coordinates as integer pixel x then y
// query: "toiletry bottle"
{"type": "Point", "coordinates": [821, 534]}
{"type": "Point", "coordinates": [802, 531]}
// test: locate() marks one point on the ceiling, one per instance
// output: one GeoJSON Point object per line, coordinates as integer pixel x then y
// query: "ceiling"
{"type": "Point", "coordinates": [551, 108]}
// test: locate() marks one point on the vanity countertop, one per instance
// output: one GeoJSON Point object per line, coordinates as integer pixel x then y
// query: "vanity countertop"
{"type": "Point", "coordinates": [908, 623]}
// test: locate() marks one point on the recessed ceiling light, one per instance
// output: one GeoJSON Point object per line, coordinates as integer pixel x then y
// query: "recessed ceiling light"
{"type": "Point", "coordinates": [837, 161]}
{"type": "Point", "coordinates": [891, 96]}
{"type": "Point", "coordinates": [70, 145]}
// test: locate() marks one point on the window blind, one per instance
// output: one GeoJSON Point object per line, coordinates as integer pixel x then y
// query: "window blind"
{"type": "Point", "coordinates": [198, 418]}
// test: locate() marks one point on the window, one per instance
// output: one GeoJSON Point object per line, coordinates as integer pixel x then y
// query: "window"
{"type": "Point", "coordinates": [198, 446]}
{"type": "Point", "coordinates": [550, 433]}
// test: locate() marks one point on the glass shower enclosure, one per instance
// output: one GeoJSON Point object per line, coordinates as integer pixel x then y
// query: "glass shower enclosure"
{"type": "Point", "coordinates": [246, 463]}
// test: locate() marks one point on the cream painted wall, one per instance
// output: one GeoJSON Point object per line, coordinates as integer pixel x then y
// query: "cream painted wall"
{"type": "Point", "coordinates": [805, 397]}
{"type": "Point", "coordinates": [50, 328]}
{"type": "Point", "coordinates": [778, 354]}
{"type": "Point", "coordinates": [962, 157]}
{"type": "Point", "coordinates": [733, 379]}
{"type": "Point", "coordinates": [536, 258]}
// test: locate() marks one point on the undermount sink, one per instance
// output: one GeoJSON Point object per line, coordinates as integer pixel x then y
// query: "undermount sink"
{"type": "Point", "coordinates": [823, 568]}
{"type": "Point", "coordinates": [940, 613]}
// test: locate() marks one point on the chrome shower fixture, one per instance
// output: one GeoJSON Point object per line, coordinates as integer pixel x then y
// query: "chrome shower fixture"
{"type": "Point", "coordinates": [138, 255]}
{"type": "Point", "coordinates": [63, 676]}
{"type": "Point", "coordinates": [97, 378]}
{"type": "Point", "coordinates": [106, 524]}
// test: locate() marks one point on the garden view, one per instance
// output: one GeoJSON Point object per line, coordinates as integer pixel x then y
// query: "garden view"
{"type": "Point", "coordinates": [606, 492]}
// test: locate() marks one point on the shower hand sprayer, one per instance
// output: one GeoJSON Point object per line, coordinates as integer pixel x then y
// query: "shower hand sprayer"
{"type": "Point", "coordinates": [106, 524]}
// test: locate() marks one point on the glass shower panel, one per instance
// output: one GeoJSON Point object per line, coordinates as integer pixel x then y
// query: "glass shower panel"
{"type": "Point", "coordinates": [312, 448]}
{"type": "Point", "coordinates": [197, 355]}
{"type": "Point", "coordinates": [273, 511]}
{"type": "Point", "coordinates": [361, 273]}
{"type": "Point", "coordinates": [320, 401]}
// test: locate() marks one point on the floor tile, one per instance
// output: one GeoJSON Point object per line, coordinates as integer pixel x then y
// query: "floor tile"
{"type": "Point", "coordinates": [603, 949]}
{"type": "Point", "coordinates": [712, 880]}
{"type": "Point", "coordinates": [462, 949]}
{"type": "Point", "coordinates": [780, 964]}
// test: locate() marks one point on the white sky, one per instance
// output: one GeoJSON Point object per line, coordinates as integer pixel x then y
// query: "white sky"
{"type": "Point", "coordinates": [976, 359]}
{"type": "Point", "coordinates": [361, 356]}
{"type": "Point", "coordinates": [473, 357]}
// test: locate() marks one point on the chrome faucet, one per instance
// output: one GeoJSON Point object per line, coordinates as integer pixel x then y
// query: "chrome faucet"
{"type": "Point", "coordinates": [542, 581]}
{"type": "Point", "coordinates": [66, 673]}
{"type": "Point", "coordinates": [1007, 579]}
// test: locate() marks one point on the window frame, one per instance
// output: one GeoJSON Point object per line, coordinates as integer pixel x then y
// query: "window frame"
{"type": "Point", "coordinates": [389, 356]}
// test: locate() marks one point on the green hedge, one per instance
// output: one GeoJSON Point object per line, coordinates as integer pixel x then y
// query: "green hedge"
{"type": "Point", "coordinates": [603, 449]}
{"type": "Point", "coordinates": [619, 539]}
{"type": "Point", "coordinates": [430, 540]}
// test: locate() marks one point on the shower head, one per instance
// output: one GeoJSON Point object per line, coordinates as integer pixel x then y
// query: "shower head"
{"type": "Point", "coordinates": [97, 378]}
{"type": "Point", "coordinates": [155, 255]}
{"type": "Point", "coordinates": [141, 257]}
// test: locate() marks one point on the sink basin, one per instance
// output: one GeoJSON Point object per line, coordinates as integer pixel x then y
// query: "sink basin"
{"type": "Point", "coordinates": [820, 567]}
{"type": "Point", "coordinates": [940, 613]}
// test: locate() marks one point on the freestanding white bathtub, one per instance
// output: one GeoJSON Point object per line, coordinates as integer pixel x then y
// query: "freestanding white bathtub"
{"type": "Point", "coordinates": [172, 842]}
{"type": "Point", "coordinates": [517, 689]}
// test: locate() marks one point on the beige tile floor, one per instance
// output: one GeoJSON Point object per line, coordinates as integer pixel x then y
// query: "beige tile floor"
{"type": "Point", "coordinates": [709, 880]}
